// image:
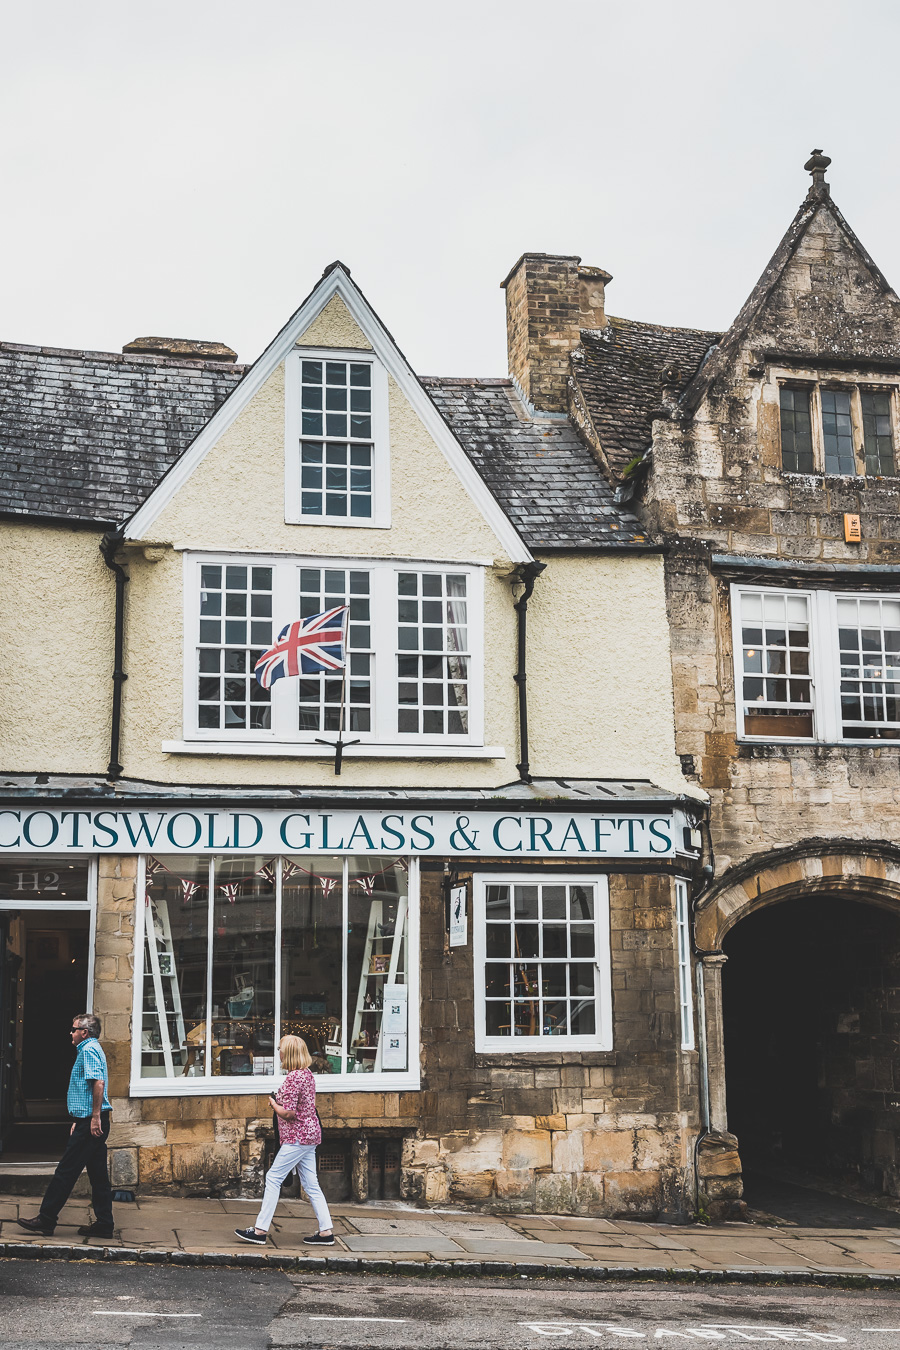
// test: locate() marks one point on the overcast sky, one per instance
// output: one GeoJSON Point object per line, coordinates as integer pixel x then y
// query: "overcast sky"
{"type": "Point", "coordinates": [188, 167]}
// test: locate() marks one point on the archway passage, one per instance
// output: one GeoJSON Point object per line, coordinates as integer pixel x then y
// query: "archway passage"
{"type": "Point", "coordinates": [811, 1011]}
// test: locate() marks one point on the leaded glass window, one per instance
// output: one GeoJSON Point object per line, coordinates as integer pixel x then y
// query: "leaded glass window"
{"type": "Point", "coordinates": [878, 437]}
{"type": "Point", "coordinates": [796, 430]}
{"type": "Point", "coordinates": [837, 431]}
{"type": "Point", "coordinates": [336, 450]}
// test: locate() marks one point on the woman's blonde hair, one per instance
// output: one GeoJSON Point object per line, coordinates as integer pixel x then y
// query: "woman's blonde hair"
{"type": "Point", "coordinates": [294, 1053]}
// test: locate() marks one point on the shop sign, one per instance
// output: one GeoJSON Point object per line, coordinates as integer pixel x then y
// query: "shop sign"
{"type": "Point", "coordinates": [462, 834]}
{"type": "Point", "coordinates": [459, 919]}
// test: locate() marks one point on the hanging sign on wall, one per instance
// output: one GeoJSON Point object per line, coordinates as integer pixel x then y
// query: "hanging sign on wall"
{"type": "Point", "coordinates": [476, 833]}
{"type": "Point", "coordinates": [459, 919]}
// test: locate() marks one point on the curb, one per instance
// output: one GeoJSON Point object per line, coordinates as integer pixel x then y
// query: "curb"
{"type": "Point", "coordinates": [361, 1265]}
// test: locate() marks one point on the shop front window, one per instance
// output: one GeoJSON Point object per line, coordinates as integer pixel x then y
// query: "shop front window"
{"type": "Point", "coordinates": [241, 951]}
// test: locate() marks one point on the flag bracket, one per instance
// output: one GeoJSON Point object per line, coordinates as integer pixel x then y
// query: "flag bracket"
{"type": "Point", "coordinates": [338, 748]}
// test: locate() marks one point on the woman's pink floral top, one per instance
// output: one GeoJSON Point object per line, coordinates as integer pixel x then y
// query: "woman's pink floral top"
{"type": "Point", "coordinates": [298, 1093]}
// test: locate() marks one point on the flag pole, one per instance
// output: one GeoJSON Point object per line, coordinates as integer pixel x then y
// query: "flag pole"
{"type": "Point", "coordinates": [338, 745]}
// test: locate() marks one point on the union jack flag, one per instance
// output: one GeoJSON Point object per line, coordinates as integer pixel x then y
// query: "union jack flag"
{"type": "Point", "coordinates": [305, 647]}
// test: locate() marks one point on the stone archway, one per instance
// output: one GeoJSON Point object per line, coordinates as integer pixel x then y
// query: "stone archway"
{"type": "Point", "coordinates": [828, 872]}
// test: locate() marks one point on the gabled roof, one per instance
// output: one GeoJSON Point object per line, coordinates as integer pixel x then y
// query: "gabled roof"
{"type": "Point", "coordinates": [335, 281]}
{"type": "Point", "coordinates": [817, 199]}
{"type": "Point", "coordinates": [85, 436]}
{"type": "Point", "coordinates": [544, 477]}
{"type": "Point", "coordinates": [618, 372]}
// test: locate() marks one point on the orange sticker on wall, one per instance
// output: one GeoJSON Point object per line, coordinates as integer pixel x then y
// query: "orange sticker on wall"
{"type": "Point", "coordinates": [852, 530]}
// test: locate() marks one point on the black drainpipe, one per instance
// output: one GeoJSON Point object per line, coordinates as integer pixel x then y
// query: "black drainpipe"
{"type": "Point", "coordinates": [527, 575]}
{"type": "Point", "coordinates": [108, 547]}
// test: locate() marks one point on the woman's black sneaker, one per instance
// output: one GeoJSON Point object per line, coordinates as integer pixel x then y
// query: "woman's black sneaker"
{"type": "Point", "coordinates": [251, 1235]}
{"type": "Point", "coordinates": [320, 1240]}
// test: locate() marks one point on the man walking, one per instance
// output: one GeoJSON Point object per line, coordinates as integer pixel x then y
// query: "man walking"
{"type": "Point", "coordinates": [89, 1107]}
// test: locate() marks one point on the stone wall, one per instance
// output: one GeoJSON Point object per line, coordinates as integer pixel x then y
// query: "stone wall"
{"type": "Point", "coordinates": [602, 1133]}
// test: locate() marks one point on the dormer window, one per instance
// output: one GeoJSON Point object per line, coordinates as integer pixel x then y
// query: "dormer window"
{"type": "Point", "coordinates": [837, 429]}
{"type": "Point", "coordinates": [336, 451]}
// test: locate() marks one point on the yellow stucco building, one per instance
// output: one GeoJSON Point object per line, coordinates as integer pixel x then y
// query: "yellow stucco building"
{"type": "Point", "coordinates": [480, 923]}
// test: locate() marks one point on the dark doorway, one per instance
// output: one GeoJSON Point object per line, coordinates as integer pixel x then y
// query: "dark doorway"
{"type": "Point", "coordinates": [46, 983]}
{"type": "Point", "coordinates": [811, 1003]}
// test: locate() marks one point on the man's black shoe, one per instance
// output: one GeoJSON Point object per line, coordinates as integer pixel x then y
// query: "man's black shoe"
{"type": "Point", "coordinates": [96, 1230]}
{"type": "Point", "coordinates": [37, 1225]}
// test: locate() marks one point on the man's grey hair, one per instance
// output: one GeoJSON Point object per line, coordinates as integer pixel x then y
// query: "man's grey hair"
{"type": "Point", "coordinates": [89, 1023]}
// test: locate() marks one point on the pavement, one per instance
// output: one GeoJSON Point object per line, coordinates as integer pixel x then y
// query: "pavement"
{"type": "Point", "coordinates": [385, 1238]}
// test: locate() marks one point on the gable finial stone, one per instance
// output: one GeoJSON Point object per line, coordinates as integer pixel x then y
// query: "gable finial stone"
{"type": "Point", "coordinates": [816, 165]}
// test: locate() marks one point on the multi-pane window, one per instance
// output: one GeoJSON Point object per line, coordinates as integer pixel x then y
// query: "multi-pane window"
{"type": "Point", "coordinates": [433, 653]}
{"type": "Point", "coordinates": [682, 933]}
{"type": "Point", "coordinates": [878, 438]}
{"type": "Point", "coordinates": [796, 430]}
{"type": "Point", "coordinates": [837, 431]}
{"type": "Point", "coordinates": [869, 635]}
{"type": "Point", "coordinates": [321, 695]}
{"type": "Point", "coordinates": [855, 695]}
{"type": "Point", "coordinates": [235, 628]}
{"type": "Point", "coordinates": [414, 664]}
{"type": "Point", "coordinates": [844, 430]}
{"type": "Point", "coordinates": [542, 965]}
{"type": "Point", "coordinates": [219, 989]}
{"type": "Point", "coordinates": [776, 686]}
{"type": "Point", "coordinates": [336, 449]}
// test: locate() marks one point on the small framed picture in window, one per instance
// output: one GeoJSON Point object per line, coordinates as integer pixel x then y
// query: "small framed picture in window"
{"type": "Point", "coordinates": [166, 964]}
{"type": "Point", "coordinates": [379, 965]}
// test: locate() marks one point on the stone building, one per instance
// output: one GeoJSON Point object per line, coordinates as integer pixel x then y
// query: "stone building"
{"type": "Point", "coordinates": [480, 924]}
{"type": "Point", "coordinates": [765, 459]}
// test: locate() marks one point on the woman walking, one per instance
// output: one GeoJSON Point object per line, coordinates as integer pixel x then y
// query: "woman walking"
{"type": "Point", "coordinates": [299, 1132]}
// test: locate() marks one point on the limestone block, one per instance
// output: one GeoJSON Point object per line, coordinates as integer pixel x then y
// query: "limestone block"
{"type": "Point", "coordinates": [437, 1185]}
{"type": "Point", "coordinates": [590, 1193]}
{"type": "Point", "coordinates": [208, 1163]}
{"type": "Point", "coordinates": [608, 1150]}
{"type": "Point", "coordinates": [471, 1151]}
{"type": "Point", "coordinates": [549, 1122]}
{"type": "Point", "coordinates": [130, 1134]}
{"type": "Point", "coordinates": [567, 1151]}
{"type": "Point", "coordinates": [190, 1132]}
{"type": "Point", "coordinates": [471, 1185]}
{"type": "Point", "coordinates": [650, 1149]}
{"type": "Point", "coordinates": [229, 1131]}
{"type": "Point", "coordinates": [126, 1108]}
{"type": "Point", "coordinates": [155, 1165]}
{"type": "Point", "coordinates": [555, 1193]}
{"type": "Point", "coordinates": [123, 1168]}
{"type": "Point", "coordinates": [514, 1184]}
{"type": "Point", "coordinates": [633, 1192]}
{"type": "Point", "coordinates": [526, 1149]}
{"type": "Point", "coordinates": [425, 1151]}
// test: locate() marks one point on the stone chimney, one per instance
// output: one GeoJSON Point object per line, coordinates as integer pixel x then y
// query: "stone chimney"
{"type": "Point", "coordinates": [191, 349]}
{"type": "Point", "coordinates": [549, 299]}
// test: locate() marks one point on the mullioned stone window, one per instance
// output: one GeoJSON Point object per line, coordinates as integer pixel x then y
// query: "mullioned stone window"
{"type": "Point", "coordinates": [848, 429]}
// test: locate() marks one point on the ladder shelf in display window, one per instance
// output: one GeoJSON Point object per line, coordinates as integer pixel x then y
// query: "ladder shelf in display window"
{"type": "Point", "coordinates": [382, 969]}
{"type": "Point", "coordinates": [169, 1018]}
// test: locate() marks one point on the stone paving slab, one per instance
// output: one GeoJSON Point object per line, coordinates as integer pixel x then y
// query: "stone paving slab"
{"type": "Point", "coordinates": [501, 1247]}
{"type": "Point", "coordinates": [431, 1242]}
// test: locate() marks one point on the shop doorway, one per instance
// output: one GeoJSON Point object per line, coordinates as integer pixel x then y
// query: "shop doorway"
{"type": "Point", "coordinates": [811, 1012]}
{"type": "Point", "coordinates": [44, 967]}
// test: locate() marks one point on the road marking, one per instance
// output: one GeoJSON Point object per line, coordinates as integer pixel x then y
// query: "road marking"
{"type": "Point", "coordinates": [325, 1318]}
{"type": "Point", "coordinates": [706, 1331]}
{"type": "Point", "coordinates": [128, 1312]}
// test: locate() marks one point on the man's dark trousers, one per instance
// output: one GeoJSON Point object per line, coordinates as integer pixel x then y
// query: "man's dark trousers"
{"type": "Point", "coordinates": [82, 1151]}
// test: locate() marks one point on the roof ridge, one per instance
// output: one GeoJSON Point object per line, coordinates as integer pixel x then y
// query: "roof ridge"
{"type": "Point", "coordinates": [663, 327]}
{"type": "Point", "coordinates": [500, 381]}
{"type": "Point", "coordinates": [123, 358]}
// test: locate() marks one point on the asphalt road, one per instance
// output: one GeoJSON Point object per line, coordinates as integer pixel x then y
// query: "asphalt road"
{"type": "Point", "coordinates": [50, 1304]}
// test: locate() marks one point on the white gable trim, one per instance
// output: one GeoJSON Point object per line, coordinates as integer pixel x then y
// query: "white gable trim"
{"type": "Point", "coordinates": [336, 282]}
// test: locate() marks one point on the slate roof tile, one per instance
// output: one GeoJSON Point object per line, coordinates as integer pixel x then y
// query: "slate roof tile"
{"type": "Point", "coordinates": [619, 378]}
{"type": "Point", "coordinates": [538, 468]}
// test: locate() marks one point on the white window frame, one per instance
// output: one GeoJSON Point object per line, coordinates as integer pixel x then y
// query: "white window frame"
{"type": "Point", "coordinates": [683, 952]}
{"type": "Point", "coordinates": [257, 1084]}
{"type": "Point", "coordinates": [824, 664]}
{"type": "Point", "coordinates": [284, 734]}
{"type": "Point", "coordinates": [293, 435]}
{"type": "Point", "coordinates": [516, 1045]}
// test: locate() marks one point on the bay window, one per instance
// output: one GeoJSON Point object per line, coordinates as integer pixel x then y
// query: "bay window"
{"type": "Point", "coordinates": [542, 963]}
{"type": "Point", "coordinates": [239, 951]}
{"type": "Point", "coordinates": [414, 662]}
{"type": "Point", "coordinates": [816, 665]}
